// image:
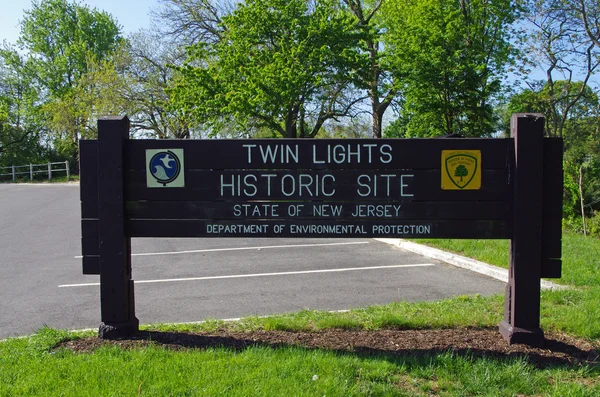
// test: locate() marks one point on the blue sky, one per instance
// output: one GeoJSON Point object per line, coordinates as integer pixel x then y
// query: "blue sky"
{"type": "Point", "coordinates": [132, 15]}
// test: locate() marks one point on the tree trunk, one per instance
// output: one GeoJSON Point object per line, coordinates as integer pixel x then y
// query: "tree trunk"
{"type": "Point", "coordinates": [377, 118]}
{"type": "Point", "coordinates": [291, 121]}
{"type": "Point", "coordinates": [581, 199]}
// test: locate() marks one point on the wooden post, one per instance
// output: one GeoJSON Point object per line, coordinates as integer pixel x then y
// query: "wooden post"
{"type": "Point", "coordinates": [116, 286]}
{"type": "Point", "coordinates": [31, 172]}
{"type": "Point", "coordinates": [14, 174]}
{"type": "Point", "coordinates": [49, 171]}
{"type": "Point", "coordinates": [67, 169]}
{"type": "Point", "coordinates": [521, 322]}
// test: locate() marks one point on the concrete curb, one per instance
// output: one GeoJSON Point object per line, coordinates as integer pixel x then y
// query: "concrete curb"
{"type": "Point", "coordinates": [460, 261]}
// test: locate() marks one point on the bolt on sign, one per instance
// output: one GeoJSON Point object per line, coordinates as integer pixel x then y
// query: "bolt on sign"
{"type": "Point", "coordinates": [416, 188]}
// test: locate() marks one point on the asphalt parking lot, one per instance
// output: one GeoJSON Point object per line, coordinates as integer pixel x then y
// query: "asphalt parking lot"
{"type": "Point", "coordinates": [181, 280]}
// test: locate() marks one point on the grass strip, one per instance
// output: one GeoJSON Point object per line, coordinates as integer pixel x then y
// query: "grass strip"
{"type": "Point", "coordinates": [576, 311]}
{"type": "Point", "coordinates": [30, 367]}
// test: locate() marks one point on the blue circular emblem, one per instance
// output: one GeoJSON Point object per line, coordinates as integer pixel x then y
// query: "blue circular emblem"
{"type": "Point", "coordinates": [165, 167]}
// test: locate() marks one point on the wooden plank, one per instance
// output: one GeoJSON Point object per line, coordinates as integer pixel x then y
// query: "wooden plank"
{"type": "Point", "coordinates": [366, 185]}
{"type": "Point", "coordinates": [490, 210]}
{"type": "Point", "coordinates": [88, 178]}
{"type": "Point", "coordinates": [551, 268]}
{"type": "Point", "coordinates": [553, 200]}
{"type": "Point", "coordinates": [89, 228]}
{"type": "Point", "coordinates": [484, 229]}
{"type": "Point", "coordinates": [91, 265]}
{"type": "Point", "coordinates": [90, 246]}
{"type": "Point", "coordinates": [320, 154]}
{"type": "Point", "coordinates": [89, 209]}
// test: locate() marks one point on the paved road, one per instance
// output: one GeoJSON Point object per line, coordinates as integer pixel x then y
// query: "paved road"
{"type": "Point", "coordinates": [180, 280]}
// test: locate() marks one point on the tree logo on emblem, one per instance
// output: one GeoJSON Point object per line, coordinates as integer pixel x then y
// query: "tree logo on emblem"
{"type": "Point", "coordinates": [461, 169]}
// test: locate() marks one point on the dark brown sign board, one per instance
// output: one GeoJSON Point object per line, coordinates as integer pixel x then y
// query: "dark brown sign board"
{"type": "Point", "coordinates": [509, 188]}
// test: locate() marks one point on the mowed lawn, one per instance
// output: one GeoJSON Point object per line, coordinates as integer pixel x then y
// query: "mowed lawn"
{"type": "Point", "coordinates": [35, 366]}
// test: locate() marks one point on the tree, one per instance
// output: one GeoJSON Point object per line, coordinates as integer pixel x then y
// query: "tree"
{"type": "Point", "coordinates": [290, 73]}
{"type": "Point", "coordinates": [22, 133]}
{"type": "Point", "coordinates": [97, 92]}
{"type": "Point", "coordinates": [561, 101]}
{"type": "Point", "coordinates": [61, 40]}
{"type": "Point", "coordinates": [585, 15]}
{"type": "Point", "coordinates": [376, 77]}
{"type": "Point", "coordinates": [579, 123]}
{"type": "Point", "coordinates": [61, 37]}
{"type": "Point", "coordinates": [189, 22]}
{"type": "Point", "coordinates": [147, 76]}
{"type": "Point", "coordinates": [453, 56]}
{"type": "Point", "coordinates": [567, 50]}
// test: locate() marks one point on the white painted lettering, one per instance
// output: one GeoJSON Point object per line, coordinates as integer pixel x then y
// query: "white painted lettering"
{"type": "Point", "coordinates": [250, 182]}
{"type": "Point", "coordinates": [370, 146]}
{"type": "Point", "coordinates": [339, 154]}
{"type": "Point", "coordinates": [315, 160]}
{"type": "Point", "coordinates": [363, 181]}
{"type": "Point", "coordinates": [386, 154]}
{"type": "Point", "coordinates": [327, 210]}
{"type": "Point", "coordinates": [403, 185]}
{"type": "Point", "coordinates": [268, 154]}
{"type": "Point", "coordinates": [387, 180]}
{"type": "Point", "coordinates": [249, 147]}
{"type": "Point", "coordinates": [231, 185]}
{"type": "Point", "coordinates": [269, 177]}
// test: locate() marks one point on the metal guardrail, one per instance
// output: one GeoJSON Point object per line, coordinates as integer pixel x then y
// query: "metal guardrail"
{"type": "Point", "coordinates": [32, 169]}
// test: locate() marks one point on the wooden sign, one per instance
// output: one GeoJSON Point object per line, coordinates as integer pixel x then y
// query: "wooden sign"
{"type": "Point", "coordinates": [416, 188]}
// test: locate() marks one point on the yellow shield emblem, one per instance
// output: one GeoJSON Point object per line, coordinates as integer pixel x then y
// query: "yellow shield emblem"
{"type": "Point", "coordinates": [461, 169]}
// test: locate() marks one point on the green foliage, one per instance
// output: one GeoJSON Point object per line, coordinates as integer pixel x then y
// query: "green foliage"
{"type": "Point", "coordinates": [47, 100]}
{"type": "Point", "coordinates": [453, 56]}
{"type": "Point", "coordinates": [376, 76]}
{"type": "Point", "coordinates": [61, 37]}
{"type": "Point", "coordinates": [22, 130]}
{"type": "Point", "coordinates": [289, 73]}
{"type": "Point", "coordinates": [578, 123]}
{"type": "Point", "coordinates": [593, 224]}
{"type": "Point", "coordinates": [146, 76]}
{"type": "Point", "coordinates": [564, 103]}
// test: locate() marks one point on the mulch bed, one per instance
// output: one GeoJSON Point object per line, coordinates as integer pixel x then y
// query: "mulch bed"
{"type": "Point", "coordinates": [559, 349]}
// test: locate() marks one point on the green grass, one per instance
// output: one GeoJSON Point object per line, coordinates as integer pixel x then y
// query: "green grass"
{"type": "Point", "coordinates": [576, 311]}
{"type": "Point", "coordinates": [494, 252]}
{"type": "Point", "coordinates": [31, 367]}
{"type": "Point", "coordinates": [581, 256]}
{"type": "Point", "coordinates": [461, 311]}
{"type": "Point", "coordinates": [42, 179]}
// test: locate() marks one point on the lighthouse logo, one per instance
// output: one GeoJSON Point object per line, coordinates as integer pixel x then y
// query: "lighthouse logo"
{"type": "Point", "coordinates": [164, 168]}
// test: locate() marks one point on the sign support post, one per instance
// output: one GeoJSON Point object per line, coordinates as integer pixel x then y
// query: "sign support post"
{"type": "Point", "coordinates": [521, 322]}
{"type": "Point", "coordinates": [116, 285]}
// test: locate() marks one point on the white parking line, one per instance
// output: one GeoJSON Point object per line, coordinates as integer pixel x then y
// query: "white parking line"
{"type": "Point", "coordinates": [242, 248]}
{"type": "Point", "coordinates": [169, 280]}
